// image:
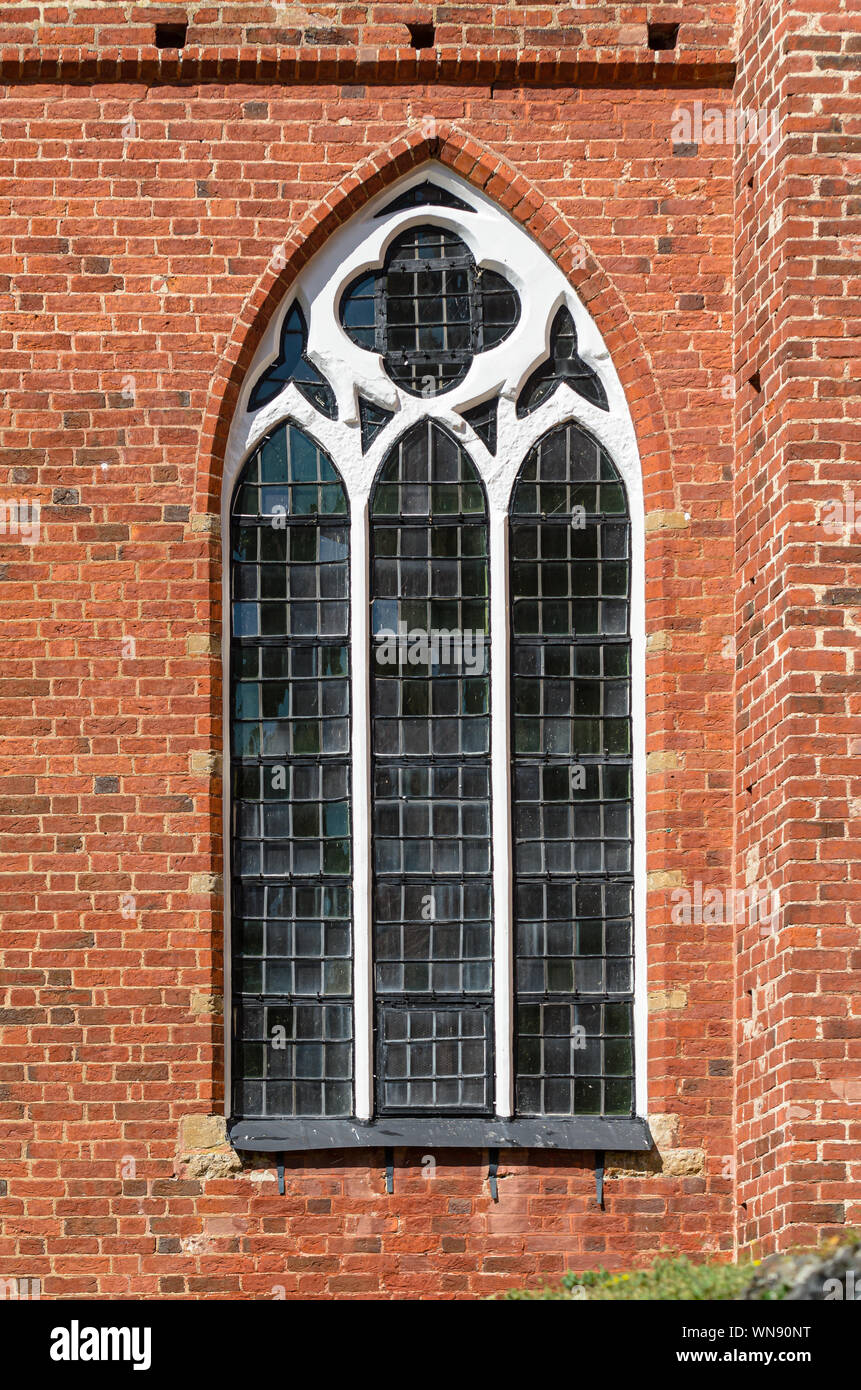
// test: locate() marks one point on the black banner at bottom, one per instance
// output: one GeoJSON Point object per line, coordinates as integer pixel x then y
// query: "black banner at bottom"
{"type": "Point", "coordinates": [242, 1338]}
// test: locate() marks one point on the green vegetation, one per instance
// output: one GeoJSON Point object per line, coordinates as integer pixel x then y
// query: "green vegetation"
{"type": "Point", "coordinates": [809, 1274]}
{"type": "Point", "coordinates": [673, 1279]}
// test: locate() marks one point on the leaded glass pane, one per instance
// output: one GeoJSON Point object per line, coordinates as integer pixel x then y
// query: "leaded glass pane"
{"type": "Point", "coordinates": [424, 195]}
{"type": "Point", "coordinates": [435, 1059]}
{"type": "Point", "coordinates": [429, 310]}
{"type": "Point", "coordinates": [572, 795]}
{"type": "Point", "coordinates": [433, 938]}
{"type": "Point", "coordinates": [483, 420]}
{"type": "Point", "coordinates": [564, 364]}
{"type": "Point", "coordinates": [290, 783]}
{"type": "Point", "coordinates": [292, 364]}
{"type": "Point", "coordinates": [372, 419]}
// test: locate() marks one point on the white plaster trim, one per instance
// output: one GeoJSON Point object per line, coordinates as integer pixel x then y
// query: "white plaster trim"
{"type": "Point", "coordinates": [363, 956]}
{"type": "Point", "coordinates": [500, 789]}
{"type": "Point", "coordinates": [499, 242]}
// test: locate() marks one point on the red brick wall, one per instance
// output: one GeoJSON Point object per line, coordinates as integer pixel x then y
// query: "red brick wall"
{"type": "Point", "coordinates": [797, 286]}
{"type": "Point", "coordinates": [149, 259]}
{"type": "Point", "coordinates": [612, 31]}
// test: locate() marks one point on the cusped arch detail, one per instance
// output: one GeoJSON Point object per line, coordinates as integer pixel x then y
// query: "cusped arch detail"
{"type": "Point", "coordinates": [513, 193]}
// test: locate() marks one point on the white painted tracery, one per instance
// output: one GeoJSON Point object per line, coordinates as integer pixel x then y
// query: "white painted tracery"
{"type": "Point", "coordinates": [497, 242]}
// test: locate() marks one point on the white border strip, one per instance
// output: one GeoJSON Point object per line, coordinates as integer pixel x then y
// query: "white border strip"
{"type": "Point", "coordinates": [363, 956]}
{"type": "Point", "coordinates": [500, 772]}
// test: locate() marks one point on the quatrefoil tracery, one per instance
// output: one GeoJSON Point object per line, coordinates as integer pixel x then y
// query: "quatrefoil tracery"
{"type": "Point", "coordinates": [427, 312]}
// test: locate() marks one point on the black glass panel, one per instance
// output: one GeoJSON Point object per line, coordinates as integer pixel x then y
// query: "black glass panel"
{"type": "Point", "coordinates": [372, 419]}
{"type": "Point", "coordinates": [482, 418]}
{"type": "Point", "coordinates": [436, 1059]}
{"type": "Point", "coordinates": [291, 364]}
{"type": "Point", "coordinates": [574, 1058]}
{"type": "Point", "coordinates": [425, 194]}
{"type": "Point", "coordinates": [291, 853]}
{"type": "Point", "coordinates": [572, 799]}
{"type": "Point", "coordinates": [429, 310]}
{"type": "Point", "coordinates": [433, 939]}
{"type": "Point", "coordinates": [563, 364]}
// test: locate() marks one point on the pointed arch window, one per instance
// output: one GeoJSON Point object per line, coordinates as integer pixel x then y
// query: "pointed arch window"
{"type": "Point", "coordinates": [572, 780]}
{"type": "Point", "coordinates": [435, 585]}
{"type": "Point", "coordinates": [290, 783]}
{"type": "Point", "coordinates": [430, 720]}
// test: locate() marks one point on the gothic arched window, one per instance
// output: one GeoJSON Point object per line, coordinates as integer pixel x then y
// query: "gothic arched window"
{"type": "Point", "coordinates": [430, 740]}
{"type": "Point", "coordinates": [290, 782]}
{"type": "Point", "coordinates": [435, 578]}
{"type": "Point", "coordinates": [572, 780]}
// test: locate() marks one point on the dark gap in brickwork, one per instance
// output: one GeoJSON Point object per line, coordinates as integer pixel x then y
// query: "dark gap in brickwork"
{"type": "Point", "coordinates": [755, 381]}
{"type": "Point", "coordinates": [663, 36]}
{"type": "Point", "coordinates": [171, 35]}
{"type": "Point", "coordinates": [422, 35]}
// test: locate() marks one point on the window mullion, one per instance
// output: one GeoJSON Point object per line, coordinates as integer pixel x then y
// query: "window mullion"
{"type": "Point", "coordinates": [363, 981]}
{"type": "Point", "coordinates": [500, 763]}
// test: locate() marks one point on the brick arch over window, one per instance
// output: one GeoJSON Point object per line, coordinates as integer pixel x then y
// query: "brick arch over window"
{"type": "Point", "coordinates": [514, 194]}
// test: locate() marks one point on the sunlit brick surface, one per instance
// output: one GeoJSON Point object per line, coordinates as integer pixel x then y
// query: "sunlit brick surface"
{"type": "Point", "coordinates": [141, 202]}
